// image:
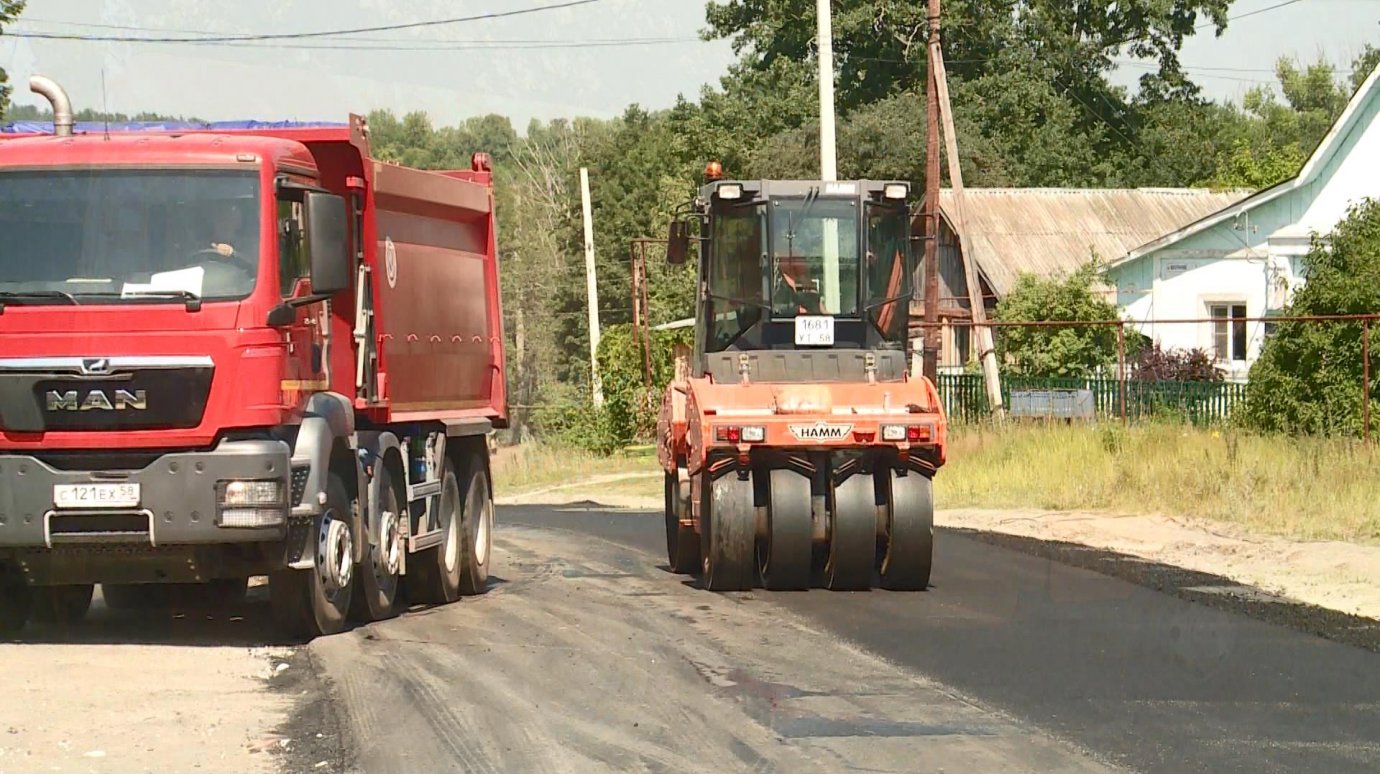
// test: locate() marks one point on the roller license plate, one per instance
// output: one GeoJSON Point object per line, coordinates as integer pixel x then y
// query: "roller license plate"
{"type": "Point", "coordinates": [95, 495]}
{"type": "Point", "coordinates": [814, 331]}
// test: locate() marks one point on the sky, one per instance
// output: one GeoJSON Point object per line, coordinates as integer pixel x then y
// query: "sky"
{"type": "Point", "coordinates": [555, 63]}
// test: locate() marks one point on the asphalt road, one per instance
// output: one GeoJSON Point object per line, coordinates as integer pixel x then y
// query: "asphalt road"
{"type": "Point", "coordinates": [587, 655]}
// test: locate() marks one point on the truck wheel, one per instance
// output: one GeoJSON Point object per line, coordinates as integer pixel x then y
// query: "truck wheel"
{"type": "Point", "coordinates": [477, 531]}
{"type": "Point", "coordinates": [376, 599]}
{"type": "Point", "coordinates": [852, 535]}
{"type": "Point", "coordinates": [434, 574]}
{"type": "Point", "coordinates": [784, 557]}
{"type": "Point", "coordinates": [728, 528]}
{"type": "Point", "coordinates": [62, 604]}
{"type": "Point", "coordinates": [910, 534]}
{"type": "Point", "coordinates": [310, 603]}
{"type": "Point", "coordinates": [682, 544]}
{"type": "Point", "coordinates": [16, 605]}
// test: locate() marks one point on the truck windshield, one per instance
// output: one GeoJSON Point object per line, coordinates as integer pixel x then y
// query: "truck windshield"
{"type": "Point", "coordinates": [814, 257]}
{"type": "Point", "coordinates": [128, 236]}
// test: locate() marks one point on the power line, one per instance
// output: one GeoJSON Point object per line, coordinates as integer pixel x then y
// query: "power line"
{"type": "Point", "coordinates": [299, 35]}
{"type": "Point", "coordinates": [405, 43]}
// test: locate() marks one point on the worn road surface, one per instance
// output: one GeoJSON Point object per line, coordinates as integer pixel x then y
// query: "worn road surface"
{"type": "Point", "coordinates": [587, 656]}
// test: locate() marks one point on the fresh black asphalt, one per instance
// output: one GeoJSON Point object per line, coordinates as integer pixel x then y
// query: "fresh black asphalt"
{"type": "Point", "coordinates": [1144, 666]}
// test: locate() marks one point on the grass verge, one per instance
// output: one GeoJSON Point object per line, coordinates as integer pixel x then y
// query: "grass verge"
{"type": "Point", "coordinates": [519, 469]}
{"type": "Point", "coordinates": [1301, 488]}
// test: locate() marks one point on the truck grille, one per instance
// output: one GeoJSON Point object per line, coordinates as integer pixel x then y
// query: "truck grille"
{"type": "Point", "coordinates": [104, 394]}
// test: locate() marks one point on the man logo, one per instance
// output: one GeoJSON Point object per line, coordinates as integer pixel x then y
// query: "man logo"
{"type": "Point", "coordinates": [95, 366]}
{"type": "Point", "coordinates": [97, 400]}
{"type": "Point", "coordinates": [821, 431]}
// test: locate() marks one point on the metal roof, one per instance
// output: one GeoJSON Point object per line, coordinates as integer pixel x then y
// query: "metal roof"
{"type": "Point", "coordinates": [1331, 144]}
{"type": "Point", "coordinates": [1051, 231]}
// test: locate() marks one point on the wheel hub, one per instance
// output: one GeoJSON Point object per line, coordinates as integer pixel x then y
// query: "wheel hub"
{"type": "Point", "coordinates": [334, 554]}
{"type": "Point", "coordinates": [481, 535]}
{"type": "Point", "coordinates": [390, 543]}
{"type": "Point", "coordinates": [452, 542]}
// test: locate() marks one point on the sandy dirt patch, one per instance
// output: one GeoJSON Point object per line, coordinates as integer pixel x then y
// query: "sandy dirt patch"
{"type": "Point", "coordinates": [148, 692]}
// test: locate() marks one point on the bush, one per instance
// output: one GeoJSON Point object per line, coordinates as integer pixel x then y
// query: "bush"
{"type": "Point", "coordinates": [1156, 364]}
{"type": "Point", "coordinates": [1073, 351]}
{"type": "Point", "coordinates": [1308, 378]}
{"type": "Point", "coordinates": [629, 413]}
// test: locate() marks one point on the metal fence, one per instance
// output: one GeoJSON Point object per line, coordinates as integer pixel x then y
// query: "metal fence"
{"type": "Point", "coordinates": [1202, 403]}
{"type": "Point", "coordinates": [1124, 389]}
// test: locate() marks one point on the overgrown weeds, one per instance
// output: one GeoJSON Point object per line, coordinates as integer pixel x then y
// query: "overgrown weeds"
{"type": "Point", "coordinates": [1305, 488]}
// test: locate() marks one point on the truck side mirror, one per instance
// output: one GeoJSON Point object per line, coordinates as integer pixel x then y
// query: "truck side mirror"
{"type": "Point", "coordinates": [678, 243]}
{"type": "Point", "coordinates": [328, 247]}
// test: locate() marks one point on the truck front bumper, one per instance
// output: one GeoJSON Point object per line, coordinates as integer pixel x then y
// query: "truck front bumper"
{"type": "Point", "coordinates": [180, 500]}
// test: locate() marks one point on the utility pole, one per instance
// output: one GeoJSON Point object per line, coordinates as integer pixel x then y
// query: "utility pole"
{"type": "Point", "coordinates": [828, 158]}
{"type": "Point", "coordinates": [592, 287]}
{"type": "Point", "coordinates": [981, 332]}
{"type": "Point", "coordinates": [932, 337]}
{"type": "Point", "coordinates": [828, 154]}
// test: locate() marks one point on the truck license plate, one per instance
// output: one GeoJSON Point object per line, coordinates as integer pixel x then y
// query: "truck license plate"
{"type": "Point", "coordinates": [814, 331]}
{"type": "Point", "coordinates": [95, 495]}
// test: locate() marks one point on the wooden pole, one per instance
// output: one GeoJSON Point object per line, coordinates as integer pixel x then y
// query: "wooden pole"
{"type": "Point", "coordinates": [1365, 382]}
{"type": "Point", "coordinates": [592, 289]}
{"type": "Point", "coordinates": [932, 333]}
{"type": "Point", "coordinates": [983, 334]}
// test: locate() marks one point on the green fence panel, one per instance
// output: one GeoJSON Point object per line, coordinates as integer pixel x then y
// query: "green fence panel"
{"type": "Point", "coordinates": [1202, 403]}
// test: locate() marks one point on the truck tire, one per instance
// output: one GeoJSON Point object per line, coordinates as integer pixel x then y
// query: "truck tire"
{"type": "Point", "coordinates": [852, 558]}
{"type": "Point", "coordinates": [312, 603]}
{"type": "Point", "coordinates": [905, 566]}
{"type": "Point", "coordinates": [65, 605]}
{"type": "Point", "coordinates": [377, 597]}
{"type": "Point", "coordinates": [682, 543]}
{"type": "Point", "coordinates": [728, 533]}
{"type": "Point", "coordinates": [785, 556]}
{"type": "Point", "coordinates": [16, 605]}
{"type": "Point", "coordinates": [477, 530]}
{"type": "Point", "coordinates": [434, 574]}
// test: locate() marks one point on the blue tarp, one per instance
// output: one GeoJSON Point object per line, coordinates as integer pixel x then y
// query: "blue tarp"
{"type": "Point", "coordinates": [89, 127]}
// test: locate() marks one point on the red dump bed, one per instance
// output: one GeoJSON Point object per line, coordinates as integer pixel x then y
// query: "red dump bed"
{"type": "Point", "coordinates": [429, 244]}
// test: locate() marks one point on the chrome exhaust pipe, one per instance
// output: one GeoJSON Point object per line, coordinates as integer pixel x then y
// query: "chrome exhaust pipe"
{"type": "Point", "coordinates": [62, 106]}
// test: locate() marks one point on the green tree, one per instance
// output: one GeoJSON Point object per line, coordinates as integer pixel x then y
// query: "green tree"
{"type": "Point", "coordinates": [1308, 378]}
{"type": "Point", "coordinates": [1057, 351]}
{"type": "Point", "coordinates": [1278, 127]}
{"type": "Point", "coordinates": [9, 11]}
{"type": "Point", "coordinates": [1244, 167]}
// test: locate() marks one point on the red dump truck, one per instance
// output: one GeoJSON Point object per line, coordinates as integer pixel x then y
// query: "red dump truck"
{"type": "Point", "coordinates": [235, 350]}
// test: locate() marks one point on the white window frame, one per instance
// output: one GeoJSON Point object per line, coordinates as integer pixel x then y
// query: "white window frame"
{"type": "Point", "coordinates": [1228, 319]}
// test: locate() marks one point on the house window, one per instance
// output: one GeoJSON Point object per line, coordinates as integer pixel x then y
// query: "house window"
{"type": "Point", "coordinates": [1228, 331]}
{"type": "Point", "coordinates": [962, 335]}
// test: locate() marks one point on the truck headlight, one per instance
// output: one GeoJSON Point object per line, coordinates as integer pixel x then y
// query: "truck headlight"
{"type": "Point", "coordinates": [252, 493]}
{"type": "Point", "coordinates": [251, 504]}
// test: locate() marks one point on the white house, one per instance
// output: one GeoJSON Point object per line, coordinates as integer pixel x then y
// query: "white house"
{"type": "Point", "coordinates": [1245, 260]}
